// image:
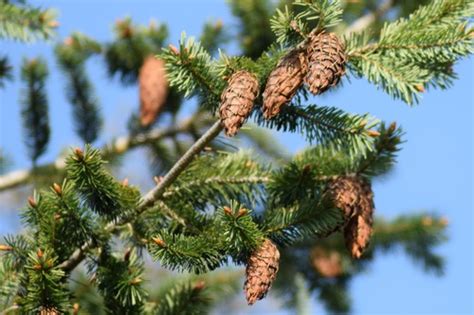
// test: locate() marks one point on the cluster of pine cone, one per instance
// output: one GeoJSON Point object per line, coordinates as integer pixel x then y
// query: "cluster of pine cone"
{"type": "Point", "coordinates": [353, 195]}
{"type": "Point", "coordinates": [320, 64]}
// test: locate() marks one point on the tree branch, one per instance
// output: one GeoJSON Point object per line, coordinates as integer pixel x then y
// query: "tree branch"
{"type": "Point", "coordinates": [365, 21]}
{"type": "Point", "coordinates": [115, 147]}
{"type": "Point", "coordinates": [152, 196]}
{"type": "Point", "coordinates": [179, 167]}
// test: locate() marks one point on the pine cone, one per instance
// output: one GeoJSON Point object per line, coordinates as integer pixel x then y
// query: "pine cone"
{"type": "Point", "coordinates": [283, 82]}
{"type": "Point", "coordinates": [48, 311]}
{"type": "Point", "coordinates": [328, 263]}
{"type": "Point", "coordinates": [261, 270]}
{"type": "Point", "coordinates": [354, 196]}
{"type": "Point", "coordinates": [237, 101]}
{"type": "Point", "coordinates": [153, 89]}
{"type": "Point", "coordinates": [326, 61]}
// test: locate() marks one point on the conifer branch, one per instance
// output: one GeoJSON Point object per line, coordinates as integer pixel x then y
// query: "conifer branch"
{"type": "Point", "coordinates": [132, 45]}
{"type": "Point", "coordinates": [76, 257]}
{"type": "Point", "coordinates": [417, 52]}
{"type": "Point", "coordinates": [171, 213]}
{"type": "Point", "coordinates": [185, 298]}
{"type": "Point", "coordinates": [213, 35]}
{"type": "Point", "coordinates": [179, 167]}
{"type": "Point", "coordinates": [116, 147]}
{"type": "Point", "coordinates": [200, 215]}
{"type": "Point", "coordinates": [218, 180]}
{"type": "Point", "coordinates": [34, 112]}
{"type": "Point", "coordinates": [25, 23]}
{"type": "Point", "coordinates": [234, 176]}
{"type": "Point", "coordinates": [324, 125]}
{"type": "Point", "coordinates": [72, 56]}
{"type": "Point", "coordinates": [153, 195]}
{"type": "Point", "coordinates": [312, 219]}
{"type": "Point", "coordinates": [5, 71]}
{"type": "Point", "coordinates": [189, 69]}
{"type": "Point", "coordinates": [255, 34]}
{"type": "Point", "coordinates": [368, 19]}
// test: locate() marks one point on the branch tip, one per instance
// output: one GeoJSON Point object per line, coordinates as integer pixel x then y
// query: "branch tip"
{"type": "Point", "coordinates": [57, 189]}
{"type": "Point", "coordinates": [158, 241]}
{"type": "Point", "coordinates": [32, 202]}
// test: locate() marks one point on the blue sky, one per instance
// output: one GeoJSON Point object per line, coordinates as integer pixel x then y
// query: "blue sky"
{"type": "Point", "coordinates": [434, 172]}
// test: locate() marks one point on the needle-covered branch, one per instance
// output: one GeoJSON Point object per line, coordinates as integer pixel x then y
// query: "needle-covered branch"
{"type": "Point", "coordinates": [26, 23]}
{"type": "Point", "coordinates": [328, 268]}
{"type": "Point", "coordinates": [325, 125]}
{"type": "Point", "coordinates": [234, 176]}
{"type": "Point", "coordinates": [5, 71]}
{"type": "Point", "coordinates": [147, 200]}
{"type": "Point", "coordinates": [415, 53]}
{"type": "Point", "coordinates": [34, 112]}
{"type": "Point", "coordinates": [212, 208]}
{"type": "Point", "coordinates": [189, 69]}
{"type": "Point", "coordinates": [116, 147]}
{"type": "Point", "coordinates": [72, 55]}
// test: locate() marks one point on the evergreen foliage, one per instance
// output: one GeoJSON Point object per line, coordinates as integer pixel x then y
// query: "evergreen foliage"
{"type": "Point", "coordinates": [120, 282]}
{"type": "Point", "coordinates": [99, 190]}
{"type": "Point", "coordinates": [415, 53]}
{"type": "Point", "coordinates": [189, 69]}
{"type": "Point", "coordinates": [213, 35]}
{"type": "Point", "coordinates": [400, 232]}
{"type": "Point", "coordinates": [185, 298]}
{"type": "Point", "coordinates": [234, 177]}
{"type": "Point", "coordinates": [45, 290]}
{"type": "Point", "coordinates": [34, 112]}
{"type": "Point", "coordinates": [326, 125]}
{"type": "Point", "coordinates": [133, 44]}
{"type": "Point", "coordinates": [254, 35]}
{"type": "Point", "coordinates": [5, 71]}
{"type": "Point", "coordinates": [26, 23]}
{"type": "Point", "coordinates": [53, 213]}
{"type": "Point", "coordinates": [72, 55]}
{"type": "Point", "coordinates": [216, 204]}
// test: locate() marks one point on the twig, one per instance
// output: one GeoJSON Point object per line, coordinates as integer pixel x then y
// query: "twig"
{"type": "Point", "coordinates": [76, 257]}
{"type": "Point", "coordinates": [116, 147]}
{"type": "Point", "coordinates": [365, 21]}
{"type": "Point", "coordinates": [179, 167]}
{"type": "Point", "coordinates": [152, 196]}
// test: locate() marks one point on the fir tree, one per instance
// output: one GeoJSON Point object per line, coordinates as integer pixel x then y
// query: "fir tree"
{"type": "Point", "coordinates": [302, 226]}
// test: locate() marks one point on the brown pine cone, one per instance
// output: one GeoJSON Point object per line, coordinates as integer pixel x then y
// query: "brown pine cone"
{"type": "Point", "coordinates": [237, 101]}
{"type": "Point", "coordinates": [48, 311]}
{"type": "Point", "coordinates": [261, 270]}
{"type": "Point", "coordinates": [153, 89]}
{"type": "Point", "coordinates": [326, 62]}
{"type": "Point", "coordinates": [354, 196]}
{"type": "Point", "coordinates": [283, 82]}
{"type": "Point", "coordinates": [328, 263]}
